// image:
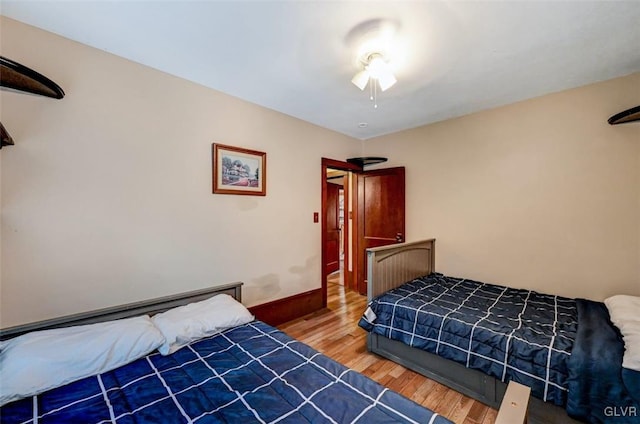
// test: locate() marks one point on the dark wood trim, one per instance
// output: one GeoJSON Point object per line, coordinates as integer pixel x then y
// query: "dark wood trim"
{"type": "Point", "coordinates": [337, 164]}
{"type": "Point", "coordinates": [361, 284]}
{"type": "Point", "coordinates": [354, 274]}
{"type": "Point", "coordinates": [324, 165]}
{"type": "Point", "coordinates": [289, 308]}
{"type": "Point", "coordinates": [345, 231]}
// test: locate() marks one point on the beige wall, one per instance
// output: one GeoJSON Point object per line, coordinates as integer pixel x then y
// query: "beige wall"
{"type": "Point", "coordinates": [541, 194]}
{"type": "Point", "coordinates": [106, 196]}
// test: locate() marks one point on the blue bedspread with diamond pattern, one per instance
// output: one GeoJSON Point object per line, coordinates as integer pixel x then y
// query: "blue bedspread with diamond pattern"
{"type": "Point", "coordinates": [249, 374]}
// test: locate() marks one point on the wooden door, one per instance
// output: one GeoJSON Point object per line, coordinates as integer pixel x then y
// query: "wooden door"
{"type": "Point", "coordinates": [332, 239]}
{"type": "Point", "coordinates": [381, 210]}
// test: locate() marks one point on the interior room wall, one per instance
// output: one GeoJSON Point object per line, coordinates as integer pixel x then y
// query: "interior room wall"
{"type": "Point", "coordinates": [106, 196]}
{"type": "Point", "coordinates": [542, 194]}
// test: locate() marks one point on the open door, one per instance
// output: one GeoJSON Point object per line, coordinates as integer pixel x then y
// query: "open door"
{"type": "Point", "coordinates": [381, 214]}
{"type": "Point", "coordinates": [332, 241]}
{"type": "Point", "coordinates": [350, 221]}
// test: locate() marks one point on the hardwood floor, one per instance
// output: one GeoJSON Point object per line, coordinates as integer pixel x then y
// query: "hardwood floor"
{"type": "Point", "coordinates": [334, 331]}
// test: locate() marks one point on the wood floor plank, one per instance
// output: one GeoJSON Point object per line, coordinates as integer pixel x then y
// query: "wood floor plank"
{"type": "Point", "coordinates": [490, 417]}
{"type": "Point", "coordinates": [423, 391]}
{"type": "Point", "coordinates": [448, 403]}
{"type": "Point", "coordinates": [401, 381]}
{"type": "Point", "coordinates": [411, 387]}
{"type": "Point", "coordinates": [477, 412]}
{"type": "Point", "coordinates": [434, 398]}
{"type": "Point", "coordinates": [334, 331]}
{"type": "Point", "coordinates": [461, 409]}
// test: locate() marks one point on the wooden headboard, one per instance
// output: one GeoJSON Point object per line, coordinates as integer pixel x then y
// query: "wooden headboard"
{"type": "Point", "coordinates": [391, 266]}
{"type": "Point", "coordinates": [145, 307]}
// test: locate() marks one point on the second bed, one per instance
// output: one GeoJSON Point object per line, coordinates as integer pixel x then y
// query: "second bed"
{"type": "Point", "coordinates": [476, 337]}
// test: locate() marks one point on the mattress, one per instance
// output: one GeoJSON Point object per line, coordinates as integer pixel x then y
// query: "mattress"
{"type": "Point", "coordinates": [251, 373]}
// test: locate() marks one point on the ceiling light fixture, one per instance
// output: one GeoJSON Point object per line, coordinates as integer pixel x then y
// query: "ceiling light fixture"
{"type": "Point", "coordinates": [376, 72]}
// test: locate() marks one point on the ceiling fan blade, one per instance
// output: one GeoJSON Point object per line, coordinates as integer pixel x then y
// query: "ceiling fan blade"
{"type": "Point", "coordinates": [18, 77]}
{"type": "Point", "coordinates": [628, 115]}
{"type": "Point", "coordinates": [5, 138]}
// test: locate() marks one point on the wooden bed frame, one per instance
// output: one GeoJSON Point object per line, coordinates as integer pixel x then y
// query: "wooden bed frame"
{"type": "Point", "coordinates": [390, 267]}
{"type": "Point", "coordinates": [146, 307]}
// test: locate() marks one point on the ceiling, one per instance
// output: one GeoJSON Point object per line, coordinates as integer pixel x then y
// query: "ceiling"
{"type": "Point", "coordinates": [298, 57]}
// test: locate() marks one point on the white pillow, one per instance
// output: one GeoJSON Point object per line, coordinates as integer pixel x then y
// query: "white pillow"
{"type": "Point", "coordinates": [42, 360]}
{"type": "Point", "coordinates": [625, 314]}
{"type": "Point", "coordinates": [185, 324]}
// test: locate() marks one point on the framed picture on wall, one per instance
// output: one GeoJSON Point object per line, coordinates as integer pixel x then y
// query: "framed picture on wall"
{"type": "Point", "coordinates": [239, 171]}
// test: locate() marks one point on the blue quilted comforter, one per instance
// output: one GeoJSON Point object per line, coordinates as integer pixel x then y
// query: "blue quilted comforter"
{"type": "Point", "coordinates": [601, 391]}
{"type": "Point", "coordinates": [252, 373]}
{"type": "Point", "coordinates": [507, 333]}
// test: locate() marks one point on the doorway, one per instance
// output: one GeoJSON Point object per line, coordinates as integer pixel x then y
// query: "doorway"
{"type": "Point", "coordinates": [373, 215]}
{"type": "Point", "coordinates": [339, 182]}
{"type": "Point", "coordinates": [337, 237]}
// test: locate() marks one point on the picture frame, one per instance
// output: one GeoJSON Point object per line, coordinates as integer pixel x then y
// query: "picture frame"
{"type": "Point", "coordinates": [239, 171]}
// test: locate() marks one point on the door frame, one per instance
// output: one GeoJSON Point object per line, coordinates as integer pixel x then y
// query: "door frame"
{"type": "Point", "coordinates": [343, 166]}
{"type": "Point", "coordinates": [332, 211]}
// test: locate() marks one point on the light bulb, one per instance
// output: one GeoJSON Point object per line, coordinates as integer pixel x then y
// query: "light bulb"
{"type": "Point", "coordinates": [387, 81]}
{"type": "Point", "coordinates": [377, 67]}
{"type": "Point", "coordinates": [380, 70]}
{"type": "Point", "coordinates": [361, 79]}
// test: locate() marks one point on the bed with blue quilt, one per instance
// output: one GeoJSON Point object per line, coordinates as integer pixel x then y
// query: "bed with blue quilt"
{"type": "Point", "coordinates": [475, 337]}
{"type": "Point", "coordinates": [507, 333]}
{"type": "Point", "coordinates": [246, 373]}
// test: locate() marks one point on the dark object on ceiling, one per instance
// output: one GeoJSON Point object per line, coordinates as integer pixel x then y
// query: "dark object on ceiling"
{"type": "Point", "coordinates": [5, 138]}
{"type": "Point", "coordinates": [367, 160]}
{"type": "Point", "coordinates": [14, 76]}
{"type": "Point", "coordinates": [628, 115]}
